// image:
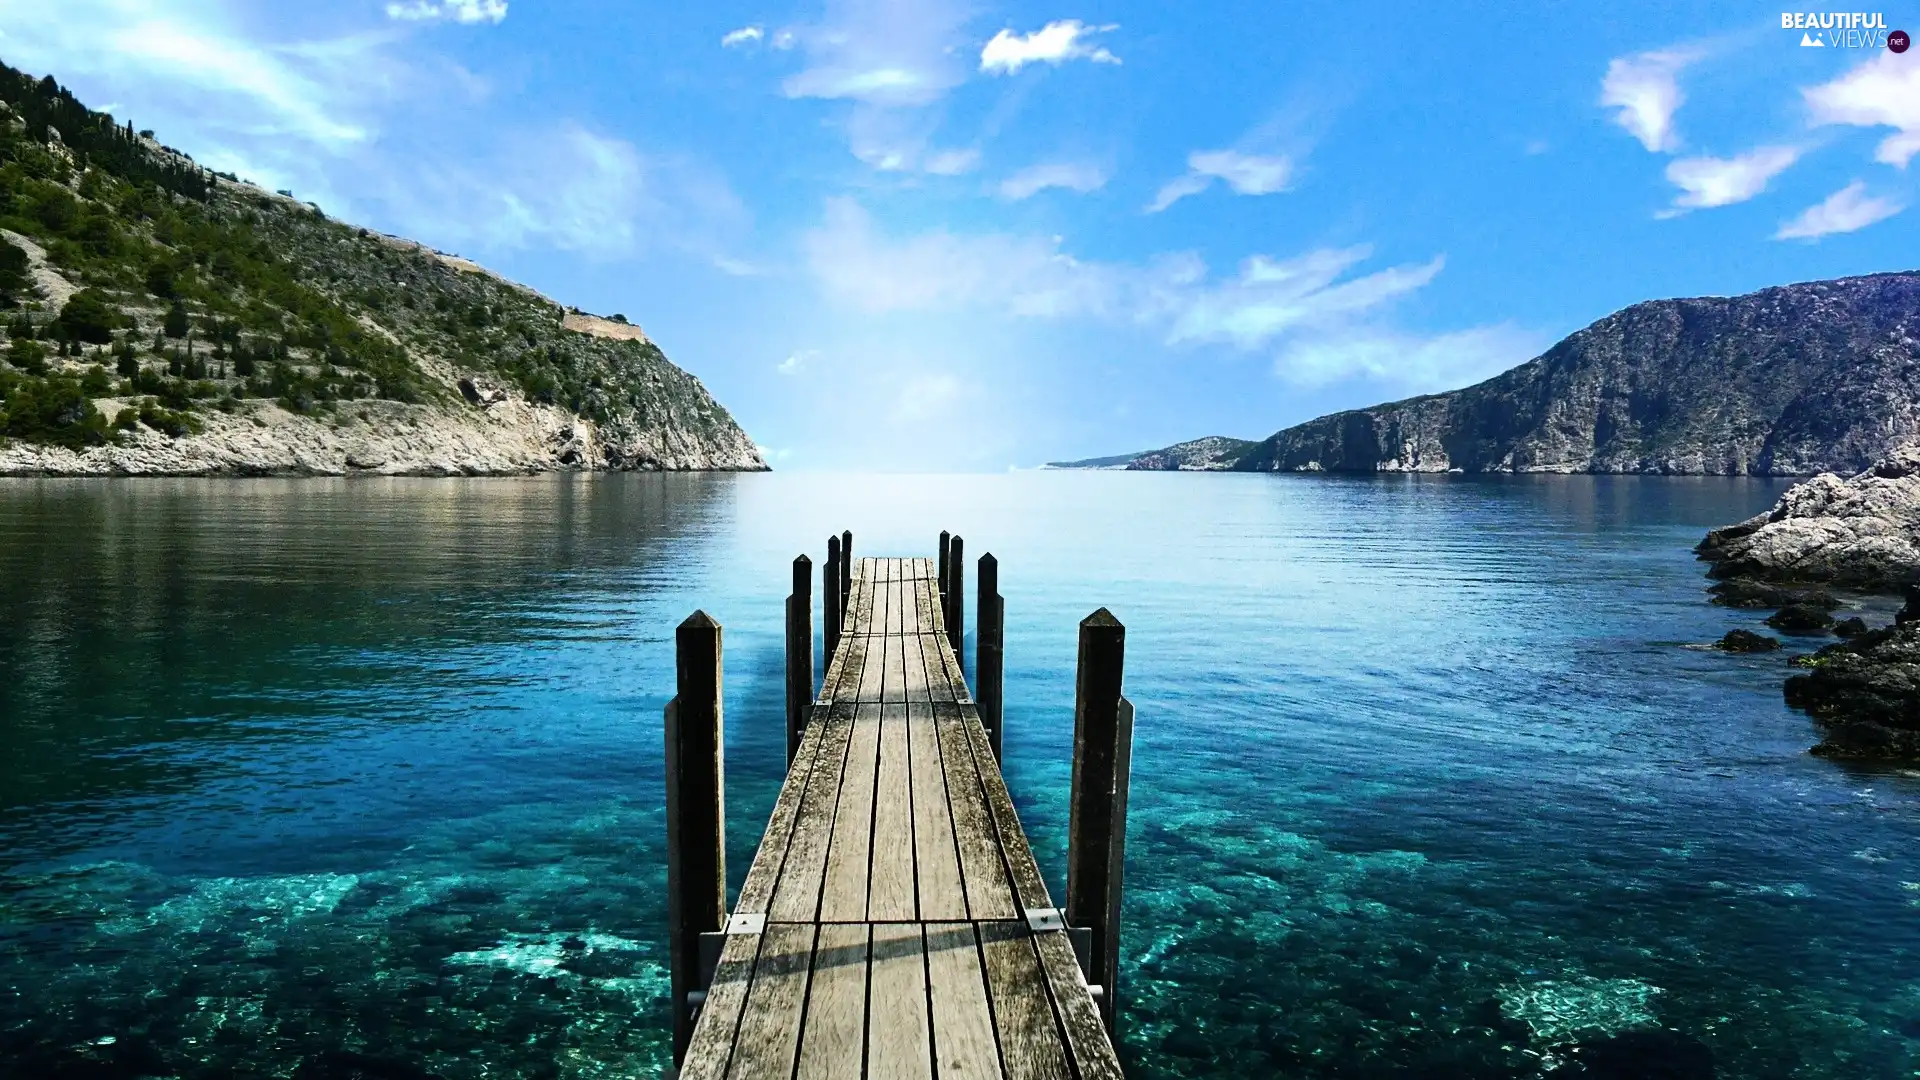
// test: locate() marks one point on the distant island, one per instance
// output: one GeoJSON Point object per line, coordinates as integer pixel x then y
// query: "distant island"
{"type": "Point", "coordinates": [166, 319]}
{"type": "Point", "coordinates": [1795, 380]}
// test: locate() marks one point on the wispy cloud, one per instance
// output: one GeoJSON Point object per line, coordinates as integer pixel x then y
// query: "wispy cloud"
{"type": "Point", "coordinates": [951, 162]}
{"type": "Point", "coordinates": [1246, 173]}
{"type": "Point", "coordinates": [857, 264]}
{"type": "Point", "coordinates": [1847, 210]}
{"type": "Point", "coordinates": [1644, 92]}
{"type": "Point", "coordinates": [1882, 92]}
{"type": "Point", "coordinates": [1272, 296]}
{"type": "Point", "coordinates": [1409, 362]}
{"type": "Point", "coordinates": [881, 52]}
{"type": "Point", "coordinates": [1709, 181]}
{"type": "Point", "coordinates": [470, 12]}
{"type": "Point", "coordinates": [797, 362]}
{"type": "Point", "coordinates": [746, 35]}
{"type": "Point", "coordinates": [1055, 43]}
{"type": "Point", "coordinates": [1034, 179]}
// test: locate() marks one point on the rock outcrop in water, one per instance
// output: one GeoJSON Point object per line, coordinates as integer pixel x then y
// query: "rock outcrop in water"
{"type": "Point", "coordinates": [1865, 694]}
{"type": "Point", "coordinates": [1787, 381]}
{"type": "Point", "coordinates": [166, 319]}
{"type": "Point", "coordinates": [1860, 532]}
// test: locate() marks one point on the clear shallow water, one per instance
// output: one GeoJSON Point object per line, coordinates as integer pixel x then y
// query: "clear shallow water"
{"type": "Point", "coordinates": [331, 778]}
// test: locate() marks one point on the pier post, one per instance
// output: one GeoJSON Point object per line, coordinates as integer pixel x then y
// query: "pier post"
{"type": "Point", "coordinates": [989, 651]}
{"type": "Point", "coordinates": [946, 541]}
{"type": "Point", "coordinates": [956, 598]}
{"type": "Point", "coordinates": [799, 653]}
{"type": "Point", "coordinates": [830, 599]}
{"type": "Point", "coordinates": [846, 567]}
{"type": "Point", "coordinates": [1097, 816]}
{"type": "Point", "coordinates": [696, 814]}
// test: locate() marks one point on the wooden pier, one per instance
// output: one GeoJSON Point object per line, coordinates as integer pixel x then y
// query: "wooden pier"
{"type": "Point", "coordinates": [893, 922]}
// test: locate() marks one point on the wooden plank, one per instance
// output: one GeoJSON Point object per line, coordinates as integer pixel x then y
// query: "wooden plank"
{"type": "Point", "coordinates": [896, 678]}
{"type": "Point", "coordinates": [897, 1028]}
{"type": "Point", "coordinates": [843, 895]}
{"type": "Point", "coordinates": [1029, 888]}
{"type": "Point", "coordinates": [719, 1020]}
{"type": "Point", "coordinates": [1030, 1041]}
{"type": "Point", "coordinates": [834, 1043]}
{"type": "Point", "coordinates": [890, 893]}
{"type": "Point", "coordinates": [983, 869]}
{"type": "Point", "coordinates": [909, 598]}
{"type": "Point", "coordinates": [963, 1036]}
{"type": "Point", "coordinates": [873, 679]}
{"type": "Point", "coordinates": [764, 875]}
{"type": "Point", "coordinates": [942, 889]}
{"type": "Point", "coordinates": [1074, 1007]}
{"type": "Point", "coordinates": [797, 897]}
{"type": "Point", "coordinates": [770, 1024]}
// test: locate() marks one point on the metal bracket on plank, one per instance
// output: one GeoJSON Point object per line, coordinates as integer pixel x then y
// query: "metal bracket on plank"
{"type": "Point", "coordinates": [1046, 918]}
{"type": "Point", "coordinates": [713, 941]}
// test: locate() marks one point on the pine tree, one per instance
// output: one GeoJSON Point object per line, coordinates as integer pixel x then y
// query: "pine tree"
{"type": "Point", "coordinates": [176, 325]}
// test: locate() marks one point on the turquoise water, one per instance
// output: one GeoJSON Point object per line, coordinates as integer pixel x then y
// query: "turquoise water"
{"type": "Point", "coordinates": [362, 778]}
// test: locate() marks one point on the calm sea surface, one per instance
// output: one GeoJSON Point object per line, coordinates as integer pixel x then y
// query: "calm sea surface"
{"type": "Point", "coordinates": [363, 778]}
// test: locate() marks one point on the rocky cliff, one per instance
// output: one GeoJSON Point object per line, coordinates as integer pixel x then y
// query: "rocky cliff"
{"type": "Point", "coordinates": [1211, 454]}
{"type": "Point", "coordinates": [1788, 381]}
{"type": "Point", "coordinates": [166, 319]}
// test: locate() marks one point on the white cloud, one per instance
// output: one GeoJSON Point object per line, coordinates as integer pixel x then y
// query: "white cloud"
{"type": "Point", "coordinates": [1410, 363]}
{"type": "Point", "coordinates": [797, 362]}
{"type": "Point", "coordinates": [856, 264]}
{"type": "Point", "coordinates": [744, 36]}
{"type": "Point", "coordinates": [181, 62]}
{"type": "Point", "coordinates": [1034, 179]}
{"type": "Point", "coordinates": [881, 52]}
{"type": "Point", "coordinates": [469, 12]}
{"type": "Point", "coordinates": [574, 190]}
{"type": "Point", "coordinates": [1270, 297]}
{"type": "Point", "coordinates": [951, 162]}
{"type": "Point", "coordinates": [860, 266]}
{"type": "Point", "coordinates": [1883, 92]}
{"type": "Point", "coordinates": [1708, 181]}
{"type": "Point", "coordinates": [1645, 92]}
{"type": "Point", "coordinates": [1844, 211]}
{"type": "Point", "coordinates": [1054, 43]}
{"type": "Point", "coordinates": [1245, 173]}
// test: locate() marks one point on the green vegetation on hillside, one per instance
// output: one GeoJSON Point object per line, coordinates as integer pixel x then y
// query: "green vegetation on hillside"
{"type": "Point", "coordinates": [199, 292]}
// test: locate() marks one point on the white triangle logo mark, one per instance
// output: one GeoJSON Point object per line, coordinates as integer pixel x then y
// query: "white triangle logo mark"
{"type": "Point", "coordinates": [1808, 41]}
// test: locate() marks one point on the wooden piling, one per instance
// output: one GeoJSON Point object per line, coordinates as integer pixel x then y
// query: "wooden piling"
{"type": "Point", "coordinates": [799, 653]}
{"type": "Point", "coordinates": [846, 567]}
{"type": "Point", "coordinates": [956, 598]}
{"type": "Point", "coordinates": [1097, 815]}
{"type": "Point", "coordinates": [946, 541]}
{"type": "Point", "coordinates": [830, 597]}
{"type": "Point", "coordinates": [696, 813]}
{"type": "Point", "coordinates": [989, 651]}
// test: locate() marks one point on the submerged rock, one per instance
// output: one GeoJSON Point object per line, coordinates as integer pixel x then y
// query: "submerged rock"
{"type": "Point", "coordinates": [1847, 628]}
{"type": "Point", "coordinates": [1800, 619]}
{"type": "Point", "coordinates": [1745, 641]}
{"type": "Point", "coordinates": [1642, 1055]}
{"type": "Point", "coordinates": [1748, 593]}
{"type": "Point", "coordinates": [1865, 694]}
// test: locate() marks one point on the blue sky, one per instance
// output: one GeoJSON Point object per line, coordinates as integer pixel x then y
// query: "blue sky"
{"type": "Point", "coordinates": [932, 234]}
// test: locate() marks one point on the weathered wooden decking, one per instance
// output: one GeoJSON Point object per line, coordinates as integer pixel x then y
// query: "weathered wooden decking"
{"type": "Point", "coordinates": [893, 923]}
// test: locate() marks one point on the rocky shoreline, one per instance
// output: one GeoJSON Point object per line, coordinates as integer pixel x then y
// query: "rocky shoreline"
{"type": "Point", "coordinates": [1860, 533]}
{"type": "Point", "coordinates": [493, 432]}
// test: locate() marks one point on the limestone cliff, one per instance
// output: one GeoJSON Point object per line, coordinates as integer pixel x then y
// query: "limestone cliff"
{"type": "Point", "coordinates": [163, 318]}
